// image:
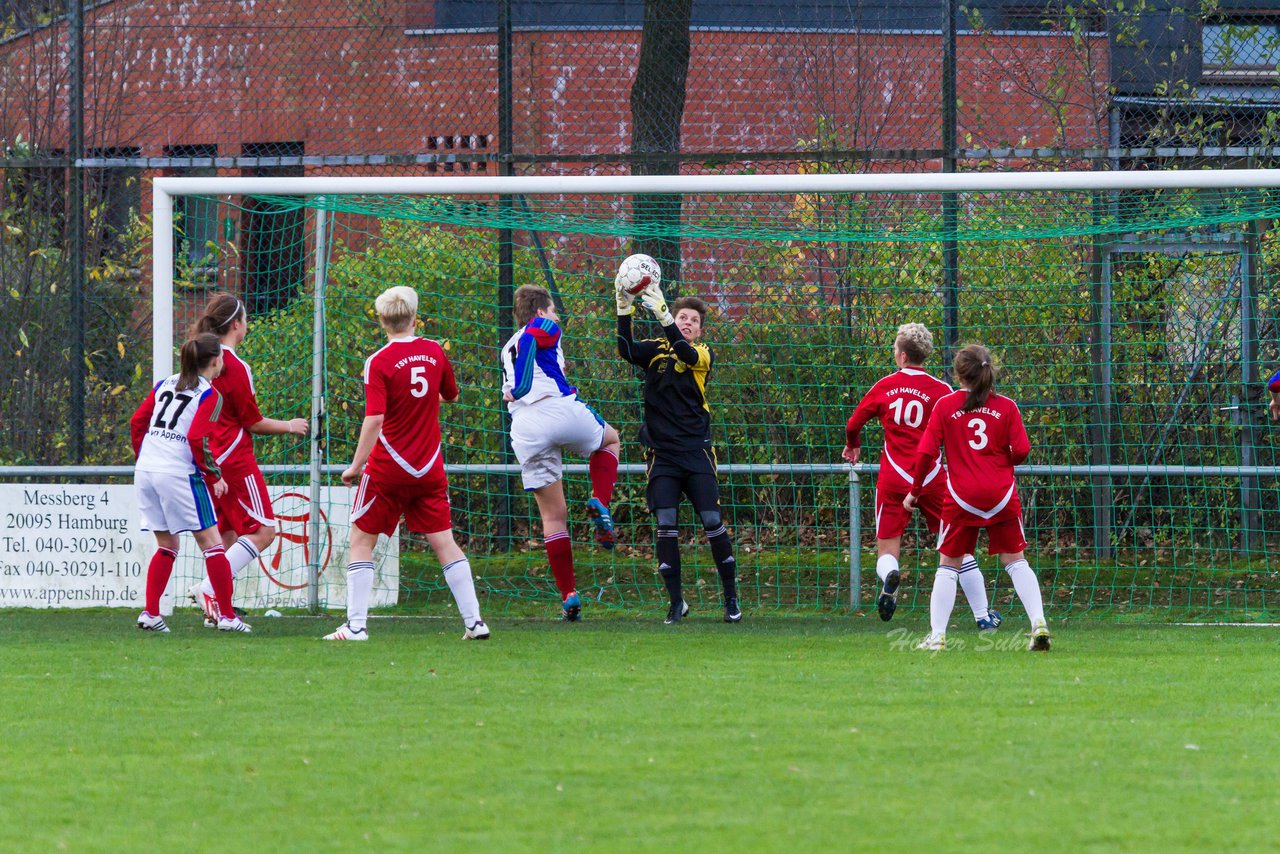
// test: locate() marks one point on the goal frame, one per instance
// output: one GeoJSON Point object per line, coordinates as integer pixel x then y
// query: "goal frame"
{"type": "Point", "coordinates": [166, 189]}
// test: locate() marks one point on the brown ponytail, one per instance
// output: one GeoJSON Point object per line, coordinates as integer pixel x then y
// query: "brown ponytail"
{"type": "Point", "coordinates": [196, 355]}
{"type": "Point", "coordinates": [976, 373]}
{"type": "Point", "coordinates": [221, 311]}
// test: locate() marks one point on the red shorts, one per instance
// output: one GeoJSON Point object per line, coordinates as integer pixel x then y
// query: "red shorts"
{"type": "Point", "coordinates": [892, 518]}
{"type": "Point", "coordinates": [246, 506]}
{"type": "Point", "coordinates": [424, 504]}
{"type": "Point", "coordinates": [1004, 536]}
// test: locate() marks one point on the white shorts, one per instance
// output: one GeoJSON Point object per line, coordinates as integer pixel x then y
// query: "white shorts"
{"type": "Point", "coordinates": [540, 432]}
{"type": "Point", "coordinates": [173, 502]}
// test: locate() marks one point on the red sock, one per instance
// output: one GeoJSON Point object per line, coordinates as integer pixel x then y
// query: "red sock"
{"type": "Point", "coordinates": [603, 466]}
{"type": "Point", "coordinates": [560, 554]}
{"type": "Point", "coordinates": [158, 572]}
{"type": "Point", "coordinates": [215, 563]}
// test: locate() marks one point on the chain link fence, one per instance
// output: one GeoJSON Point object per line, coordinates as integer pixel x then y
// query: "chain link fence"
{"type": "Point", "coordinates": [98, 98]}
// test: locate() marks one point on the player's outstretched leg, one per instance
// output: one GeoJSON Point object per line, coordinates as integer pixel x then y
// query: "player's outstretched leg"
{"type": "Point", "coordinates": [457, 574]}
{"type": "Point", "coordinates": [974, 586]}
{"type": "Point", "coordinates": [1027, 587]}
{"type": "Point", "coordinates": [726, 564]}
{"type": "Point", "coordinates": [158, 572]}
{"type": "Point", "coordinates": [359, 591]}
{"type": "Point", "coordinates": [668, 554]}
{"type": "Point", "coordinates": [941, 604]}
{"type": "Point", "coordinates": [560, 556]}
{"type": "Point", "coordinates": [603, 468]}
{"type": "Point", "coordinates": [890, 578]}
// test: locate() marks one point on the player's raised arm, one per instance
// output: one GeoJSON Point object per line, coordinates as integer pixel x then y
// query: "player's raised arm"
{"type": "Point", "coordinates": [653, 300]}
{"type": "Point", "coordinates": [525, 359]}
{"type": "Point", "coordinates": [635, 274]}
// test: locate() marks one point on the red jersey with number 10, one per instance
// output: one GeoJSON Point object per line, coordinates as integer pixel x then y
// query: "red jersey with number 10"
{"type": "Point", "coordinates": [403, 382]}
{"type": "Point", "coordinates": [983, 445]}
{"type": "Point", "coordinates": [902, 402]}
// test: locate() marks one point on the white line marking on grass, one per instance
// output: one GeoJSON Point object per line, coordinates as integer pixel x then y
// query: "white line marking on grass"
{"type": "Point", "coordinates": [1216, 625]}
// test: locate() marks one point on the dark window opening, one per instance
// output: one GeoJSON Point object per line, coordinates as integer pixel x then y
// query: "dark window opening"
{"type": "Point", "coordinates": [273, 238]}
{"type": "Point", "coordinates": [113, 195]}
{"type": "Point", "coordinates": [195, 250]}
{"type": "Point", "coordinates": [37, 194]}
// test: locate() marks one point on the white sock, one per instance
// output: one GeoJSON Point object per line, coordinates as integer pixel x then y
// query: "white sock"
{"type": "Point", "coordinates": [241, 554]}
{"type": "Point", "coordinates": [359, 591]}
{"type": "Point", "coordinates": [885, 564]}
{"type": "Point", "coordinates": [942, 600]}
{"type": "Point", "coordinates": [458, 576]}
{"type": "Point", "coordinates": [1028, 588]}
{"type": "Point", "coordinates": [974, 587]}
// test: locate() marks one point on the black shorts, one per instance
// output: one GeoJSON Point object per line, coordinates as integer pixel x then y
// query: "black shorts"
{"type": "Point", "coordinates": [676, 473]}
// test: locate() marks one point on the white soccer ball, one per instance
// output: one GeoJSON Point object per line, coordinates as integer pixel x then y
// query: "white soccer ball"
{"type": "Point", "coordinates": [637, 273]}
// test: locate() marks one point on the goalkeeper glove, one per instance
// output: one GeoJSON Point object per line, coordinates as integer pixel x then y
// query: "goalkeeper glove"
{"type": "Point", "coordinates": [625, 300]}
{"type": "Point", "coordinates": [652, 299]}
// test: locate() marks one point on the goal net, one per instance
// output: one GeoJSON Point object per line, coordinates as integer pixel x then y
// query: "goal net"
{"type": "Point", "coordinates": [1133, 317]}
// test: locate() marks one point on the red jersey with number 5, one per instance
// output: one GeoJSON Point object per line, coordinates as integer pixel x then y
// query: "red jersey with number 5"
{"type": "Point", "coordinates": [404, 382]}
{"type": "Point", "coordinates": [983, 445]}
{"type": "Point", "coordinates": [902, 402]}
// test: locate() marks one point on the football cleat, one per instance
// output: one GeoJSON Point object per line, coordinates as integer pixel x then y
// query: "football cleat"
{"type": "Point", "coordinates": [1039, 638]}
{"type": "Point", "coordinates": [933, 643]}
{"type": "Point", "coordinates": [599, 515]}
{"type": "Point", "coordinates": [233, 624]}
{"type": "Point", "coordinates": [476, 631]}
{"type": "Point", "coordinates": [148, 623]}
{"type": "Point", "coordinates": [345, 632]}
{"type": "Point", "coordinates": [206, 603]}
{"type": "Point", "coordinates": [677, 612]}
{"type": "Point", "coordinates": [991, 622]}
{"type": "Point", "coordinates": [886, 603]}
{"type": "Point", "coordinates": [571, 608]}
{"type": "Point", "coordinates": [732, 613]}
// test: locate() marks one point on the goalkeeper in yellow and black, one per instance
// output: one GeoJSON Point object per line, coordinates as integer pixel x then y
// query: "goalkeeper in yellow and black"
{"type": "Point", "coordinates": [676, 434]}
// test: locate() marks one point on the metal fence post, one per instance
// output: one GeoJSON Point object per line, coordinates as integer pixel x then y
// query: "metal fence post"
{"type": "Point", "coordinates": [317, 409]}
{"type": "Point", "coordinates": [1250, 514]}
{"type": "Point", "coordinates": [76, 225]}
{"type": "Point", "coordinates": [855, 537]}
{"type": "Point", "coordinates": [506, 248]}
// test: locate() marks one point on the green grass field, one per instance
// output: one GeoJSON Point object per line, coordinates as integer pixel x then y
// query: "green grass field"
{"type": "Point", "coordinates": [619, 733]}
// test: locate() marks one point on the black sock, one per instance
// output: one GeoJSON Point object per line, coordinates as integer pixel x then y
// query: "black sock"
{"type": "Point", "coordinates": [726, 566]}
{"type": "Point", "coordinates": [669, 561]}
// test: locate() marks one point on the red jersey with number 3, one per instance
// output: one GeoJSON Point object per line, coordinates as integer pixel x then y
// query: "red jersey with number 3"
{"type": "Point", "coordinates": [403, 382]}
{"type": "Point", "coordinates": [902, 402]}
{"type": "Point", "coordinates": [233, 443]}
{"type": "Point", "coordinates": [983, 445]}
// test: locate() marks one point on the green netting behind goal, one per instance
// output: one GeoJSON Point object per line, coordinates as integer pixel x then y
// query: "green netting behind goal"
{"type": "Point", "coordinates": [1134, 329]}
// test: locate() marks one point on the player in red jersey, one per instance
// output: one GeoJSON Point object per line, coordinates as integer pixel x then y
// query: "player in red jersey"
{"type": "Point", "coordinates": [399, 464]}
{"type": "Point", "coordinates": [176, 472]}
{"type": "Point", "coordinates": [984, 438]}
{"type": "Point", "coordinates": [902, 403]}
{"type": "Point", "coordinates": [245, 517]}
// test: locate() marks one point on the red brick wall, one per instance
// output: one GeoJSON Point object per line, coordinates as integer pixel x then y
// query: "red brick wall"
{"type": "Point", "coordinates": [236, 72]}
